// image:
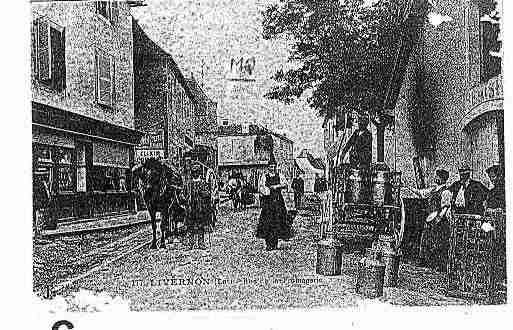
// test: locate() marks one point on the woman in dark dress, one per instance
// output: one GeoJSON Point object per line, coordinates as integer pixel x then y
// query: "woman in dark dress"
{"type": "Point", "coordinates": [272, 224]}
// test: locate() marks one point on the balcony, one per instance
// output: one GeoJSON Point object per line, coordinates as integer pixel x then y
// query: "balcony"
{"type": "Point", "coordinates": [491, 90]}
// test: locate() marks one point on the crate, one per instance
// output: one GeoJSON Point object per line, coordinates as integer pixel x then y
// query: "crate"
{"type": "Point", "coordinates": [474, 258]}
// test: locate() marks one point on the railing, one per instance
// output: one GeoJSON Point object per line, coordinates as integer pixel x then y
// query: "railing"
{"type": "Point", "coordinates": [487, 91]}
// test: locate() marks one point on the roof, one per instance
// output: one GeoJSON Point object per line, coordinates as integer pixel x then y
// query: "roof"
{"type": "Point", "coordinates": [316, 163]}
{"type": "Point", "coordinates": [306, 167]}
{"type": "Point", "coordinates": [148, 49]}
{"type": "Point", "coordinates": [253, 129]}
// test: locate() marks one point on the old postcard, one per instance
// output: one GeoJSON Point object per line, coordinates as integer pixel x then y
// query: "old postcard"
{"type": "Point", "coordinates": [267, 155]}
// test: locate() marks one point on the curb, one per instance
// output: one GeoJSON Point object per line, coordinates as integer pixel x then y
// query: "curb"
{"type": "Point", "coordinates": [94, 229]}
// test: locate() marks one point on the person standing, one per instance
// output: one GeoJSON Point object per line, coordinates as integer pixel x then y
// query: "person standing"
{"type": "Point", "coordinates": [199, 209]}
{"type": "Point", "coordinates": [496, 197]}
{"type": "Point", "coordinates": [298, 185]}
{"type": "Point", "coordinates": [359, 145]}
{"type": "Point", "coordinates": [272, 224]}
{"type": "Point", "coordinates": [468, 196]}
{"type": "Point", "coordinates": [214, 193]}
{"type": "Point", "coordinates": [434, 242]}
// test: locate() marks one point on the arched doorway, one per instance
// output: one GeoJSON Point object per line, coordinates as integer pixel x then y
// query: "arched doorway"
{"type": "Point", "coordinates": [482, 147]}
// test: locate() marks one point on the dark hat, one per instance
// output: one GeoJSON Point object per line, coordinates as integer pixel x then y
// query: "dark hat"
{"type": "Point", "coordinates": [493, 169]}
{"type": "Point", "coordinates": [442, 174]}
{"type": "Point", "coordinates": [272, 160]}
{"type": "Point", "coordinates": [464, 168]}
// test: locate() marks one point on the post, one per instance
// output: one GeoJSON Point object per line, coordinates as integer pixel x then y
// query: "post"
{"type": "Point", "coordinates": [380, 135]}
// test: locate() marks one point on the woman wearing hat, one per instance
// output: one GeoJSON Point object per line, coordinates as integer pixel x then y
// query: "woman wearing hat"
{"type": "Point", "coordinates": [434, 242]}
{"type": "Point", "coordinates": [272, 224]}
{"type": "Point", "coordinates": [496, 196]}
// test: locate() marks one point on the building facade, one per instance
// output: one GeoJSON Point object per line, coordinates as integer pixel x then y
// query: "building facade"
{"type": "Point", "coordinates": [449, 110]}
{"type": "Point", "coordinates": [164, 103]}
{"type": "Point", "coordinates": [246, 149]}
{"type": "Point", "coordinates": [450, 107]}
{"type": "Point", "coordinates": [83, 134]}
{"type": "Point", "coordinates": [205, 125]}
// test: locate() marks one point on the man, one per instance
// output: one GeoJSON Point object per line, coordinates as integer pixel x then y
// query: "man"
{"type": "Point", "coordinates": [298, 185]}
{"type": "Point", "coordinates": [360, 143]}
{"type": "Point", "coordinates": [496, 196]}
{"type": "Point", "coordinates": [468, 196]}
{"type": "Point", "coordinates": [200, 209]}
{"type": "Point", "coordinates": [434, 242]}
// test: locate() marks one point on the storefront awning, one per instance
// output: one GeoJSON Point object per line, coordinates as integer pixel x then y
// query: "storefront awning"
{"type": "Point", "coordinates": [54, 118]}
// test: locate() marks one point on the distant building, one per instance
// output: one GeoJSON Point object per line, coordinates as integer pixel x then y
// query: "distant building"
{"type": "Point", "coordinates": [83, 134]}
{"type": "Point", "coordinates": [205, 125]}
{"type": "Point", "coordinates": [164, 103]}
{"type": "Point", "coordinates": [246, 148]}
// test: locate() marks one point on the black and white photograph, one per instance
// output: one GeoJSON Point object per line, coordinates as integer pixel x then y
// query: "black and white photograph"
{"type": "Point", "coordinates": [241, 155]}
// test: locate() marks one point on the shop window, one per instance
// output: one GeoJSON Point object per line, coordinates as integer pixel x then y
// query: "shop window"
{"type": "Point", "coordinates": [110, 179]}
{"type": "Point", "coordinates": [105, 80]}
{"type": "Point", "coordinates": [65, 170]}
{"type": "Point", "coordinates": [50, 59]}
{"type": "Point", "coordinates": [108, 9]}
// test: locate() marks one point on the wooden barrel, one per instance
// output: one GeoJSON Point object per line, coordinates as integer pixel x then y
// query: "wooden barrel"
{"type": "Point", "coordinates": [329, 258]}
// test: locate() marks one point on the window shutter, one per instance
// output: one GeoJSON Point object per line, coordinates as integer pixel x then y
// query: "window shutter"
{"type": "Point", "coordinates": [115, 12]}
{"type": "Point", "coordinates": [44, 49]}
{"type": "Point", "coordinates": [113, 82]}
{"type": "Point", "coordinates": [104, 78]}
{"type": "Point", "coordinates": [62, 60]}
{"type": "Point", "coordinates": [33, 40]}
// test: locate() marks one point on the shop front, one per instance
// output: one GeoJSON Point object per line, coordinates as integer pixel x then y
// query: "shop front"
{"type": "Point", "coordinates": [84, 163]}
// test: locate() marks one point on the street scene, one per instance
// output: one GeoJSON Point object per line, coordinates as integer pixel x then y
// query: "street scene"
{"type": "Point", "coordinates": [279, 154]}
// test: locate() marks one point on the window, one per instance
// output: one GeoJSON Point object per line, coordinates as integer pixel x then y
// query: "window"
{"type": "Point", "coordinates": [50, 54]}
{"type": "Point", "coordinates": [108, 9]}
{"type": "Point", "coordinates": [105, 82]}
{"type": "Point", "coordinates": [110, 179]}
{"type": "Point", "coordinates": [65, 171]}
{"type": "Point", "coordinates": [490, 45]}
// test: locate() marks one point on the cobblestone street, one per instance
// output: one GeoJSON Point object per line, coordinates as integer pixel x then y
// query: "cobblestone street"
{"type": "Point", "coordinates": [237, 273]}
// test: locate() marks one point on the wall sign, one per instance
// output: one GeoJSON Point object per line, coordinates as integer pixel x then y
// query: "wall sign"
{"type": "Point", "coordinates": [143, 154]}
{"type": "Point", "coordinates": [152, 140]}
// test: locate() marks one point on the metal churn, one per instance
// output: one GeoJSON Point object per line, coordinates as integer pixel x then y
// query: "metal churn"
{"type": "Point", "coordinates": [371, 272]}
{"type": "Point", "coordinates": [358, 186]}
{"type": "Point", "coordinates": [329, 257]}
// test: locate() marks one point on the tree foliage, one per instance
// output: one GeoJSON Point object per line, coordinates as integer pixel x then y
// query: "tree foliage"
{"type": "Point", "coordinates": [343, 51]}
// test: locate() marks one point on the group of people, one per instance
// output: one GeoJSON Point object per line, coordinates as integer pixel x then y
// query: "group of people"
{"type": "Point", "coordinates": [465, 196]}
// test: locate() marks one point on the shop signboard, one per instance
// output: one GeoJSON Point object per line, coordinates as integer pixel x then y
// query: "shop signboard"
{"type": "Point", "coordinates": [151, 146]}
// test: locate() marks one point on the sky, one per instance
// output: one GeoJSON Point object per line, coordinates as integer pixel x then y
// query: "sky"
{"type": "Point", "coordinates": [208, 34]}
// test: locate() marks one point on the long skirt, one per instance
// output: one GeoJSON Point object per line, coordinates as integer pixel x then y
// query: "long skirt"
{"type": "Point", "coordinates": [273, 224]}
{"type": "Point", "coordinates": [434, 246]}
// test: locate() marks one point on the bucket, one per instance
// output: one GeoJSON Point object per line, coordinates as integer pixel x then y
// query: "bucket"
{"type": "Point", "coordinates": [329, 258]}
{"type": "Point", "coordinates": [369, 282]}
{"type": "Point", "coordinates": [357, 187]}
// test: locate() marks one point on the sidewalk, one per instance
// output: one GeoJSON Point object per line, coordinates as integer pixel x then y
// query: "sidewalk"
{"type": "Point", "coordinates": [85, 226]}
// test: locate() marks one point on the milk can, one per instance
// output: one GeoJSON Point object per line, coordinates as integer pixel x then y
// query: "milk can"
{"type": "Point", "coordinates": [381, 187]}
{"type": "Point", "coordinates": [357, 187]}
{"type": "Point", "coordinates": [370, 277]}
{"type": "Point", "coordinates": [329, 257]}
{"type": "Point", "coordinates": [391, 259]}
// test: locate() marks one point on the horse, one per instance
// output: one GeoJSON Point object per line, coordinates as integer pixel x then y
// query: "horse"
{"type": "Point", "coordinates": [160, 187]}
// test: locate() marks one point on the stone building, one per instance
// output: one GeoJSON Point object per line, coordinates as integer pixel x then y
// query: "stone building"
{"type": "Point", "coordinates": [246, 148]}
{"type": "Point", "coordinates": [450, 106]}
{"type": "Point", "coordinates": [447, 106]}
{"type": "Point", "coordinates": [83, 134]}
{"type": "Point", "coordinates": [164, 103]}
{"type": "Point", "coordinates": [205, 125]}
